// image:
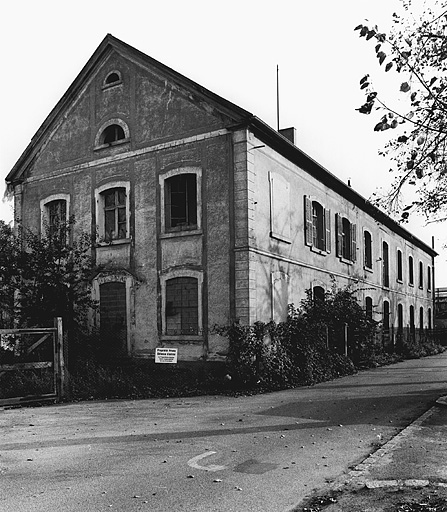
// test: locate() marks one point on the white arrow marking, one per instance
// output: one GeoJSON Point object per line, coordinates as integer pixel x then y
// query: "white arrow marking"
{"type": "Point", "coordinates": [212, 467]}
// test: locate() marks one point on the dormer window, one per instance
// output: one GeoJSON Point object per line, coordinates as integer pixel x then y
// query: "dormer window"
{"type": "Point", "coordinates": [113, 78]}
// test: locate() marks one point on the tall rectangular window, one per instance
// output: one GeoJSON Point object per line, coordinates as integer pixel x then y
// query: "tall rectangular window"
{"type": "Point", "coordinates": [428, 278]}
{"type": "Point", "coordinates": [181, 202]}
{"type": "Point", "coordinates": [317, 225]}
{"type": "Point", "coordinates": [421, 275]}
{"type": "Point", "coordinates": [115, 215]}
{"type": "Point", "coordinates": [346, 239]}
{"type": "Point", "coordinates": [367, 247]}
{"type": "Point", "coordinates": [56, 214]}
{"type": "Point", "coordinates": [385, 265]}
{"type": "Point", "coordinates": [399, 265]}
{"type": "Point", "coordinates": [410, 271]}
{"type": "Point", "coordinates": [182, 306]}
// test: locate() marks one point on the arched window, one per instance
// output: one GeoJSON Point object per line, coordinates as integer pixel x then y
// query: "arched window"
{"type": "Point", "coordinates": [421, 318]}
{"type": "Point", "coordinates": [421, 274]}
{"type": "Point", "coordinates": [113, 78]}
{"type": "Point", "coordinates": [112, 133]}
{"type": "Point", "coordinates": [412, 317]}
{"type": "Point", "coordinates": [318, 293]}
{"type": "Point", "coordinates": [429, 318]}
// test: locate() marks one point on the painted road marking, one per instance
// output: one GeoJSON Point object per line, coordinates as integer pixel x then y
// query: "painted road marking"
{"type": "Point", "coordinates": [212, 467]}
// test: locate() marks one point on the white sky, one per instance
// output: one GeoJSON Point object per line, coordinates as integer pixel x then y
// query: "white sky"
{"type": "Point", "coordinates": [231, 47]}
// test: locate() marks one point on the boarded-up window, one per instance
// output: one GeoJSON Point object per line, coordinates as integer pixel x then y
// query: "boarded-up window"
{"type": "Point", "coordinates": [280, 296]}
{"type": "Point", "coordinates": [113, 317]}
{"type": "Point", "coordinates": [279, 207]}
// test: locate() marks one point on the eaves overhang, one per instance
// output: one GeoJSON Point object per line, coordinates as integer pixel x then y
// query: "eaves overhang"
{"type": "Point", "coordinates": [295, 155]}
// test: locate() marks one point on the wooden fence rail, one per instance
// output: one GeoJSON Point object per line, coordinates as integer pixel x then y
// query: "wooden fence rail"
{"type": "Point", "coordinates": [57, 363]}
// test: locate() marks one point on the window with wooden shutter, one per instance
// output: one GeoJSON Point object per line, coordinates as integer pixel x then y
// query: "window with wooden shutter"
{"type": "Point", "coordinates": [353, 254]}
{"type": "Point", "coordinates": [339, 223]}
{"type": "Point", "coordinates": [346, 239]}
{"type": "Point", "coordinates": [327, 225]}
{"type": "Point", "coordinates": [308, 231]}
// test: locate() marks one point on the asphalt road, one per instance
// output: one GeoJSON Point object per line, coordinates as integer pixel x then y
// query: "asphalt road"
{"type": "Point", "coordinates": [257, 453]}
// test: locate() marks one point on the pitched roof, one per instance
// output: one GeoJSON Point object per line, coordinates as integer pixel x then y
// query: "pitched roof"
{"type": "Point", "coordinates": [109, 43]}
{"type": "Point", "coordinates": [240, 116]}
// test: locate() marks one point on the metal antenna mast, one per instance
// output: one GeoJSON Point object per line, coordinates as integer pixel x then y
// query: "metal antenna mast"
{"type": "Point", "coordinates": [277, 95]}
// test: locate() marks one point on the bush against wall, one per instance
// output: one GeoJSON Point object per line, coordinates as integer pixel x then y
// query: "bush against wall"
{"type": "Point", "coordinates": [311, 346]}
{"type": "Point", "coordinates": [44, 275]}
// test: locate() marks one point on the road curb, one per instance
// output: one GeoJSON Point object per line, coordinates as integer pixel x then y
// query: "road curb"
{"type": "Point", "coordinates": [357, 477]}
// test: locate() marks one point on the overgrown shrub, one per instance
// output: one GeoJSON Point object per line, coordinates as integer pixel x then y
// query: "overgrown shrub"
{"type": "Point", "coordinates": [308, 348]}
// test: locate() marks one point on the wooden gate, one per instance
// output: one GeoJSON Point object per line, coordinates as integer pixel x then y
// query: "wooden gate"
{"type": "Point", "coordinates": [32, 364]}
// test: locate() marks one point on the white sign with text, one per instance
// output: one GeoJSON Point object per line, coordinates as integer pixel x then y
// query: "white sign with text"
{"type": "Point", "coordinates": [166, 355]}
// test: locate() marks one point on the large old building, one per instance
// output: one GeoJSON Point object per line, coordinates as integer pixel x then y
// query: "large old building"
{"type": "Point", "coordinates": [203, 213]}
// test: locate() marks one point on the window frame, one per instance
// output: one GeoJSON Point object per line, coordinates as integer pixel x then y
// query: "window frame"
{"type": "Point", "coordinates": [410, 270]}
{"type": "Point", "coordinates": [421, 275]}
{"type": "Point", "coordinates": [196, 274]}
{"type": "Point", "coordinates": [120, 277]}
{"type": "Point", "coordinates": [386, 315]}
{"type": "Point", "coordinates": [399, 266]}
{"type": "Point", "coordinates": [99, 138]}
{"type": "Point", "coordinates": [197, 229]}
{"type": "Point", "coordinates": [385, 264]}
{"type": "Point", "coordinates": [108, 85]}
{"type": "Point", "coordinates": [317, 227]}
{"type": "Point", "coordinates": [346, 239]}
{"type": "Point", "coordinates": [367, 251]}
{"type": "Point", "coordinates": [100, 211]}
{"type": "Point", "coordinates": [44, 213]}
{"type": "Point", "coordinates": [429, 278]}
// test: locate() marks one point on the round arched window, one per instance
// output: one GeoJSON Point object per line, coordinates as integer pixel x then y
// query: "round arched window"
{"type": "Point", "coordinates": [112, 133]}
{"type": "Point", "coordinates": [112, 78]}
